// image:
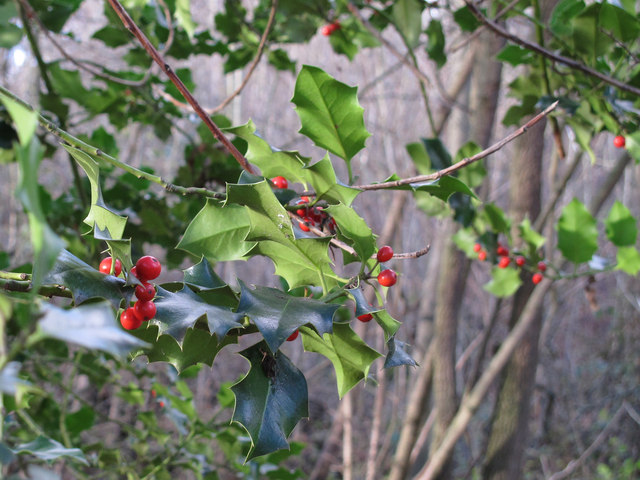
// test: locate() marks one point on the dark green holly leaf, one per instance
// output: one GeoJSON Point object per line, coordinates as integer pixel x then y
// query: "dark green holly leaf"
{"type": "Point", "coordinates": [113, 36]}
{"type": "Point", "coordinates": [353, 227]}
{"type": "Point", "coordinates": [398, 354]}
{"type": "Point", "coordinates": [10, 34]}
{"type": "Point", "coordinates": [278, 314]}
{"type": "Point", "coordinates": [516, 55]}
{"type": "Point", "coordinates": [563, 14]}
{"type": "Point", "coordinates": [466, 20]}
{"type": "Point", "coordinates": [439, 156]}
{"type": "Point", "coordinates": [218, 233]}
{"type": "Point", "coordinates": [48, 449]}
{"type": "Point", "coordinates": [198, 346]}
{"type": "Point", "coordinates": [270, 399]}
{"type": "Point", "coordinates": [497, 219]}
{"type": "Point", "coordinates": [202, 276]}
{"type": "Point", "coordinates": [80, 420]}
{"type": "Point", "coordinates": [504, 282]}
{"type": "Point", "coordinates": [577, 233]}
{"type": "Point", "coordinates": [176, 312]}
{"type": "Point", "coordinates": [628, 259]}
{"type": "Point", "coordinates": [84, 281]}
{"type": "Point", "coordinates": [362, 305]}
{"type": "Point", "coordinates": [620, 226]}
{"type": "Point", "coordinates": [351, 357]}
{"type": "Point", "coordinates": [444, 187]}
{"type": "Point", "coordinates": [322, 178]}
{"type": "Point", "coordinates": [92, 326]}
{"type": "Point", "coordinates": [329, 113]}
{"type": "Point", "coordinates": [436, 43]}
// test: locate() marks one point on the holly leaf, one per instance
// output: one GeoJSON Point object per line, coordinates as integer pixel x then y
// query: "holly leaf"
{"type": "Point", "coordinates": [202, 276]}
{"type": "Point", "coordinates": [299, 261]}
{"type": "Point", "coordinates": [628, 260]}
{"type": "Point", "coordinates": [84, 281]}
{"type": "Point", "coordinates": [270, 399]}
{"type": "Point", "coordinates": [398, 354]}
{"type": "Point", "coordinates": [322, 178]}
{"type": "Point", "coordinates": [24, 118]}
{"type": "Point", "coordinates": [443, 188]}
{"type": "Point", "coordinates": [620, 226]}
{"type": "Point", "coordinates": [351, 357]}
{"type": "Point", "coordinates": [278, 314]}
{"type": "Point", "coordinates": [198, 346]}
{"type": "Point", "coordinates": [353, 227]}
{"type": "Point", "coordinates": [329, 113]}
{"type": "Point", "coordinates": [389, 324]}
{"type": "Point", "coordinates": [48, 449]}
{"type": "Point", "coordinates": [218, 233]}
{"type": "Point", "coordinates": [577, 233]}
{"type": "Point", "coordinates": [179, 311]}
{"type": "Point", "coordinates": [407, 16]}
{"type": "Point", "coordinates": [532, 238]}
{"type": "Point", "coordinates": [504, 282]}
{"type": "Point", "coordinates": [92, 326]}
{"type": "Point", "coordinates": [497, 219]}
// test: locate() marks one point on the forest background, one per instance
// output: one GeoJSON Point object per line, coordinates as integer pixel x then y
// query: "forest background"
{"type": "Point", "coordinates": [470, 369]}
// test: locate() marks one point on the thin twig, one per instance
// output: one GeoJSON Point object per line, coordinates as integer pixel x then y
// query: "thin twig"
{"type": "Point", "coordinates": [464, 162]}
{"type": "Point", "coordinates": [569, 62]}
{"type": "Point", "coordinates": [25, 287]}
{"type": "Point", "coordinates": [151, 50]}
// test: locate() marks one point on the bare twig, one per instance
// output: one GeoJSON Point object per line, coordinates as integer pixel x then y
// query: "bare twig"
{"type": "Point", "coordinates": [464, 162]}
{"type": "Point", "coordinates": [151, 50]}
{"type": "Point", "coordinates": [45, 290]}
{"type": "Point", "coordinates": [569, 62]}
{"type": "Point", "coordinates": [347, 437]}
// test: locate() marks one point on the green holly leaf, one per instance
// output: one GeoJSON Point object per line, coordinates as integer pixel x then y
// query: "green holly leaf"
{"type": "Point", "coordinates": [436, 43]}
{"type": "Point", "coordinates": [48, 449]}
{"type": "Point", "coordinates": [504, 282]}
{"type": "Point", "coordinates": [471, 175]}
{"type": "Point", "coordinates": [183, 16]}
{"type": "Point", "coordinates": [444, 187]}
{"type": "Point", "coordinates": [497, 219]}
{"type": "Point", "coordinates": [389, 324]}
{"type": "Point", "coordinates": [299, 261]}
{"type": "Point", "coordinates": [202, 276]}
{"type": "Point", "coordinates": [533, 239]}
{"type": "Point", "coordinates": [270, 400]}
{"type": "Point", "coordinates": [353, 227]}
{"type": "Point", "coordinates": [92, 326]}
{"type": "Point", "coordinates": [577, 233]}
{"type": "Point", "coordinates": [407, 16]}
{"type": "Point", "coordinates": [322, 178]}
{"type": "Point", "coordinates": [107, 223]}
{"type": "Point", "coordinates": [218, 233]}
{"type": "Point", "coordinates": [179, 311]}
{"type": "Point", "coordinates": [628, 260]}
{"type": "Point", "coordinates": [197, 346]}
{"type": "Point", "coordinates": [278, 314]}
{"type": "Point", "coordinates": [398, 354]}
{"type": "Point", "coordinates": [329, 113]}
{"type": "Point", "coordinates": [351, 357]}
{"type": "Point", "coordinates": [84, 281]}
{"type": "Point", "coordinates": [620, 226]}
{"type": "Point", "coordinates": [24, 119]}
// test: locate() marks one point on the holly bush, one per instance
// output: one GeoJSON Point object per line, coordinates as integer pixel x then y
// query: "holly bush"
{"type": "Point", "coordinates": [59, 313]}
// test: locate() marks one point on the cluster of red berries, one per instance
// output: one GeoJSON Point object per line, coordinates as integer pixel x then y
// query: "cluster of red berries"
{"type": "Point", "coordinates": [387, 277]}
{"type": "Point", "coordinates": [505, 260]}
{"type": "Point", "coordinates": [619, 141]}
{"type": "Point", "coordinates": [146, 268]}
{"type": "Point", "coordinates": [327, 30]}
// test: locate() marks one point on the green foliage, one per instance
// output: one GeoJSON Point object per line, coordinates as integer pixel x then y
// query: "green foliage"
{"type": "Point", "coordinates": [577, 233]}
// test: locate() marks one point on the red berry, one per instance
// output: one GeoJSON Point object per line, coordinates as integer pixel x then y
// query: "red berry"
{"type": "Point", "coordinates": [144, 310]}
{"type": "Point", "coordinates": [129, 320]}
{"type": "Point", "coordinates": [145, 292]}
{"type": "Point", "coordinates": [153, 393]}
{"type": "Point", "coordinates": [305, 199]}
{"type": "Point", "coordinates": [385, 254]}
{"type": "Point", "coordinates": [301, 212]}
{"type": "Point", "coordinates": [304, 227]}
{"type": "Point", "coordinates": [477, 247]}
{"type": "Point", "coordinates": [619, 141]}
{"type": "Point", "coordinates": [335, 26]}
{"type": "Point", "coordinates": [542, 266]}
{"type": "Point", "coordinates": [482, 255]}
{"type": "Point", "coordinates": [520, 261]}
{"type": "Point", "coordinates": [161, 404]}
{"type": "Point", "coordinates": [105, 266]}
{"type": "Point", "coordinates": [293, 336]}
{"type": "Point", "coordinates": [504, 262]}
{"type": "Point", "coordinates": [279, 182]}
{"type": "Point", "coordinates": [387, 278]}
{"type": "Point", "coordinates": [148, 268]}
{"type": "Point", "coordinates": [537, 278]}
{"type": "Point", "coordinates": [365, 317]}
{"type": "Point", "coordinates": [134, 271]}
{"type": "Point", "coordinates": [501, 251]}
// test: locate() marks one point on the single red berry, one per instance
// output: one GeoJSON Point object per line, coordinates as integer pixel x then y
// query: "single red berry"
{"type": "Point", "coordinates": [619, 141]}
{"type": "Point", "coordinates": [161, 404]}
{"type": "Point", "coordinates": [326, 30]}
{"type": "Point", "coordinates": [145, 292]}
{"type": "Point", "coordinates": [305, 199]}
{"type": "Point", "coordinates": [105, 266]}
{"type": "Point", "coordinates": [148, 268]}
{"type": "Point", "coordinates": [301, 212]}
{"type": "Point", "coordinates": [134, 271]}
{"type": "Point", "coordinates": [477, 247]}
{"type": "Point", "coordinates": [387, 278]}
{"type": "Point", "coordinates": [502, 251]}
{"type": "Point", "coordinates": [504, 262]}
{"type": "Point", "coordinates": [537, 278]}
{"type": "Point", "coordinates": [365, 317]}
{"type": "Point", "coordinates": [304, 227]}
{"type": "Point", "coordinates": [153, 393]}
{"type": "Point", "coordinates": [129, 320]}
{"type": "Point", "coordinates": [542, 266]}
{"type": "Point", "coordinates": [520, 261]}
{"type": "Point", "coordinates": [482, 255]}
{"type": "Point", "coordinates": [279, 182]}
{"type": "Point", "coordinates": [293, 336]}
{"type": "Point", "coordinates": [144, 310]}
{"type": "Point", "coordinates": [385, 254]}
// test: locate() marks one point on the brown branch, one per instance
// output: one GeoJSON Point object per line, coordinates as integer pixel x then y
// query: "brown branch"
{"type": "Point", "coordinates": [25, 287]}
{"type": "Point", "coordinates": [151, 50]}
{"type": "Point", "coordinates": [569, 62]}
{"type": "Point", "coordinates": [464, 162]}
